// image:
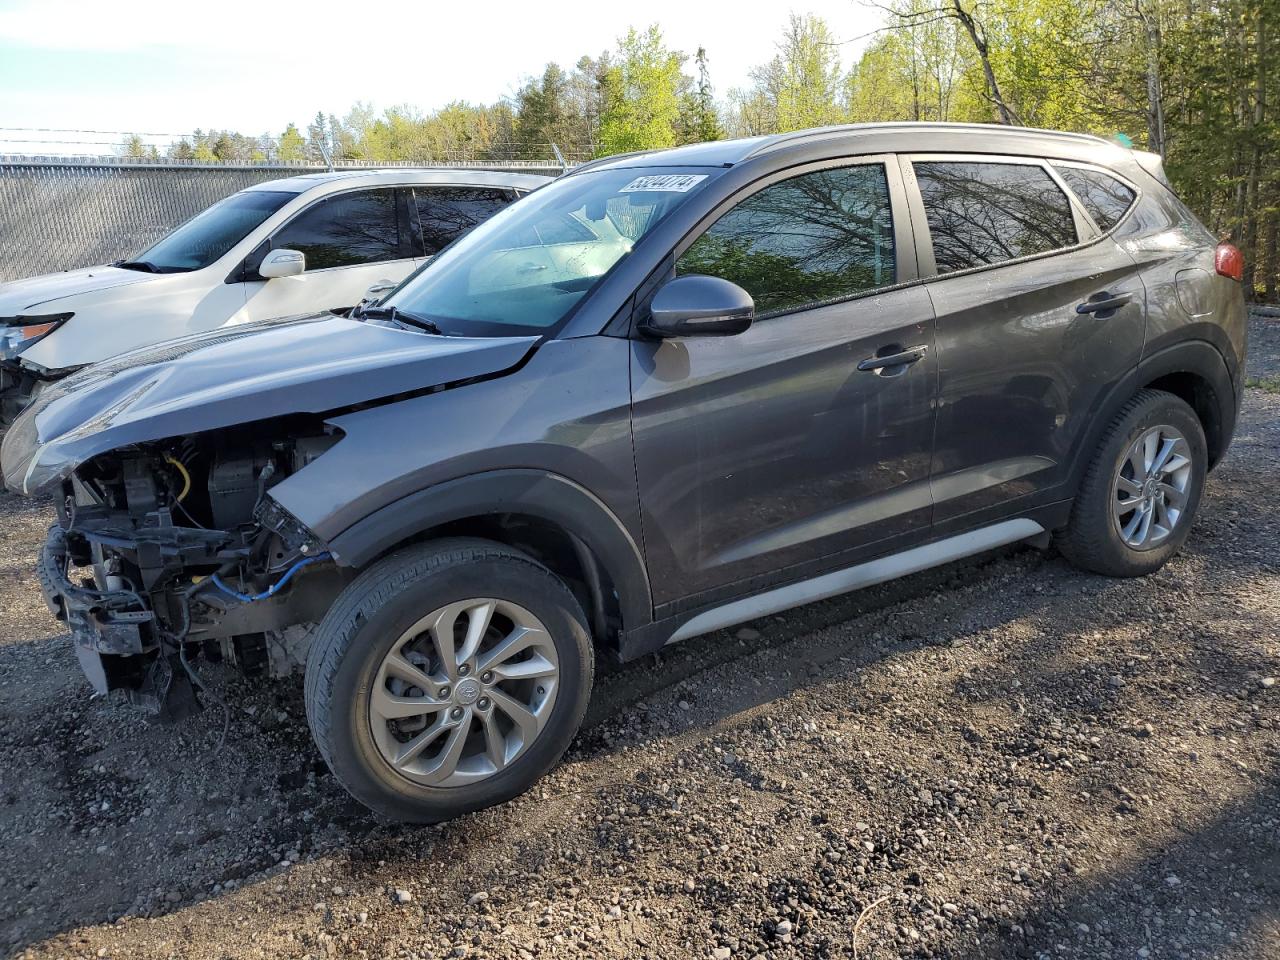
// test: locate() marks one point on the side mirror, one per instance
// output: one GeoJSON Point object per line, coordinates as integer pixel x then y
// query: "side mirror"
{"type": "Point", "coordinates": [694, 305]}
{"type": "Point", "coordinates": [379, 290]}
{"type": "Point", "coordinates": [282, 263]}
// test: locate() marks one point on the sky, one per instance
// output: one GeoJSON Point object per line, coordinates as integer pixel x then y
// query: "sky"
{"type": "Point", "coordinates": [168, 67]}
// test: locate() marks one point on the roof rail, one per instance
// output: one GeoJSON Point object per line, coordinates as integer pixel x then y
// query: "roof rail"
{"type": "Point", "coordinates": [818, 133]}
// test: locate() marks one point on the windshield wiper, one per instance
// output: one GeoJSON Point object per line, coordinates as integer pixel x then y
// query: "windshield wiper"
{"type": "Point", "coordinates": [396, 315]}
{"type": "Point", "coordinates": [146, 266]}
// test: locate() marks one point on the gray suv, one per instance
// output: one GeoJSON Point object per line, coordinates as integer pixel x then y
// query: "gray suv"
{"type": "Point", "coordinates": [668, 393]}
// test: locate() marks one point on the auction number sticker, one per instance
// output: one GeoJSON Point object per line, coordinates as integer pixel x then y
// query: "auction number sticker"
{"type": "Point", "coordinates": [665, 183]}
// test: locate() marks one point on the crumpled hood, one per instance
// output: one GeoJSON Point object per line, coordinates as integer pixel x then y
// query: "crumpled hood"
{"type": "Point", "coordinates": [229, 376]}
{"type": "Point", "coordinates": [21, 297]}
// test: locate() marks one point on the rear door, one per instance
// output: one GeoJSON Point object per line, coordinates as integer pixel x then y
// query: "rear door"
{"type": "Point", "coordinates": [763, 455]}
{"type": "Point", "coordinates": [1037, 314]}
{"type": "Point", "coordinates": [351, 240]}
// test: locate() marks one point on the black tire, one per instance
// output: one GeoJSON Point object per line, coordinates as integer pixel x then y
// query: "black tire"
{"type": "Point", "coordinates": [1092, 539]}
{"type": "Point", "coordinates": [365, 622]}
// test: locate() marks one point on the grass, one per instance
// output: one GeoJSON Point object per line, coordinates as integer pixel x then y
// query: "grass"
{"type": "Point", "coordinates": [1267, 385]}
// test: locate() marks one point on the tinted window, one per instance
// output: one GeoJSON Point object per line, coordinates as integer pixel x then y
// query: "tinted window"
{"type": "Point", "coordinates": [982, 213]}
{"type": "Point", "coordinates": [208, 235]}
{"type": "Point", "coordinates": [1105, 197]}
{"type": "Point", "coordinates": [814, 238]}
{"type": "Point", "coordinates": [446, 213]}
{"type": "Point", "coordinates": [351, 228]}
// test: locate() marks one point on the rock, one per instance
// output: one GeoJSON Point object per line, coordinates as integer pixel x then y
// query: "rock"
{"type": "Point", "coordinates": [1268, 681]}
{"type": "Point", "coordinates": [748, 634]}
{"type": "Point", "coordinates": [173, 896]}
{"type": "Point", "coordinates": [782, 928]}
{"type": "Point", "coordinates": [721, 953]}
{"type": "Point", "coordinates": [1116, 681]}
{"type": "Point", "coordinates": [404, 896]}
{"type": "Point", "coordinates": [690, 886]}
{"type": "Point", "coordinates": [1146, 730]}
{"type": "Point", "coordinates": [614, 912]}
{"type": "Point", "coordinates": [480, 896]}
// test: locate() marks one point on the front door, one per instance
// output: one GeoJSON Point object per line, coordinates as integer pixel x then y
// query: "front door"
{"type": "Point", "coordinates": [352, 241]}
{"type": "Point", "coordinates": [790, 444]}
{"type": "Point", "coordinates": [1036, 317]}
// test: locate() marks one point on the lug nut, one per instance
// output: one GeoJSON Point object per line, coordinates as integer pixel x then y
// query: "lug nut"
{"type": "Point", "coordinates": [483, 703]}
{"type": "Point", "coordinates": [463, 670]}
{"type": "Point", "coordinates": [487, 676]}
{"type": "Point", "coordinates": [444, 692]}
{"type": "Point", "coordinates": [456, 713]}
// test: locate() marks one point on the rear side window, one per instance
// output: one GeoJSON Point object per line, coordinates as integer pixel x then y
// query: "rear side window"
{"type": "Point", "coordinates": [985, 213]}
{"type": "Point", "coordinates": [446, 213]}
{"type": "Point", "coordinates": [351, 228]}
{"type": "Point", "coordinates": [803, 242]}
{"type": "Point", "coordinates": [1106, 198]}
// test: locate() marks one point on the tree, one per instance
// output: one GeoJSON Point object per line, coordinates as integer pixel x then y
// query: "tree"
{"type": "Point", "coordinates": [800, 87]}
{"type": "Point", "coordinates": [293, 148]}
{"type": "Point", "coordinates": [699, 121]}
{"type": "Point", "coordinates": [641, 95]}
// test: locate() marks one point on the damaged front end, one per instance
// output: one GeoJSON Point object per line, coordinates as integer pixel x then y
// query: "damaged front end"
{"type": "Point", "coordinates": [167, 553]}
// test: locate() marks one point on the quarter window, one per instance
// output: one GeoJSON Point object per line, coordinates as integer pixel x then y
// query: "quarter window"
{"type": "Point", "coordinates": [1106, 198]}
{"type": "Point", "coordinates": [446, 213]}
{"type": "Point", "coordinates": [351, 228]}
{"type": "Point", "coordinates": [984, 213]}
{"type": "Point", "coordinates": [805, 241]}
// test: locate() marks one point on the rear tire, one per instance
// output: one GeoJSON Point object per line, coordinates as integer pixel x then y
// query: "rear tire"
{"type": "Point", "coordinates": [446, 678]}
{"type": "Point", "coordinates": [1141, 491]}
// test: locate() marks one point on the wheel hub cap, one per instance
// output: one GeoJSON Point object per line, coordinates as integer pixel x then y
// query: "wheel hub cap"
{"type": "Point", "coordinates": [468, 692]}
{"type": "Point", "coordinates": [463, 692]}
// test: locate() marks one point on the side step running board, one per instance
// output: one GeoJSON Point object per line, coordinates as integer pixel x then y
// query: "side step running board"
{"type": "Point", "coordinates": [863, 575]}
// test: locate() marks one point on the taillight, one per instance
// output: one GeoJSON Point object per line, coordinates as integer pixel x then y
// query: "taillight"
{"type": "Point", "coordinates": [1228, 261]}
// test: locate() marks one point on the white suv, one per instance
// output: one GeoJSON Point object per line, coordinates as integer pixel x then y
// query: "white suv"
{"type": "Point", "coordinates": [299, 245]}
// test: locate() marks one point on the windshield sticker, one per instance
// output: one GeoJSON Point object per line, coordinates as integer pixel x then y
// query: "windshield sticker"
{"type": "Point", "coordinates": [666, 183]}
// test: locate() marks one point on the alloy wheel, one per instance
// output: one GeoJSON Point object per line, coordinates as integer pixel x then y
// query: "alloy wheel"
{"type": "Point", "coordinates": [463, 692]}
{"type": "Point", "coordinates": [1152, 487]}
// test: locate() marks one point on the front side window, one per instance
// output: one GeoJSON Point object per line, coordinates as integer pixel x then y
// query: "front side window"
{"type": "Point", "coordinates": [209, 235]}
{"type": "Point", "coordinates": [345, 230]}
{"type": "Point", "coordinates": [983, 213]}
{"type": "Point", "coordinates": [1106, 198]}
{"type": "Point", "coordinates": [524, 270]}
{"type": "Point", "coordinates": [805, 241]}
{"type": "Point", "coordinates": [446, 213]}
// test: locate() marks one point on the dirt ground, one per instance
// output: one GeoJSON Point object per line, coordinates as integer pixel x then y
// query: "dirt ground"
{"type": "Point", "coordinates": [1001, 758]}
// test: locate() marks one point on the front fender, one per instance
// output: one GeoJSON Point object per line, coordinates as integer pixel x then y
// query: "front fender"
{"type": "Point", "coordinates": [538, 493]}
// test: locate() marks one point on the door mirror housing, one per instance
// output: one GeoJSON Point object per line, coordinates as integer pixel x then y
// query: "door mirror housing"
{"type": "Point", "coordinates": [696, 305]}
{"type": "Point", "coordinates": [282, 263]}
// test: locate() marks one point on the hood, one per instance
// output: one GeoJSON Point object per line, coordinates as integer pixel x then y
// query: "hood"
{"type": "Point", "coordinates": [231, 376]}
{"type": "Point", "coordinates": [27, 296]}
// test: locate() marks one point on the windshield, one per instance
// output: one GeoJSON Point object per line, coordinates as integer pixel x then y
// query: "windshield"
{"type": "Point", "coordinates": [524, 270]}
{"type": "Point", "coordinates": [210, 234]}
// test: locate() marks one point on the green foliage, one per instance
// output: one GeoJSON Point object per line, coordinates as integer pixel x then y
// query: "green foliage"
{"type": "Point", "coordinates": [293, 148]}
{"type": "Point", "coordinates": [642, 89]}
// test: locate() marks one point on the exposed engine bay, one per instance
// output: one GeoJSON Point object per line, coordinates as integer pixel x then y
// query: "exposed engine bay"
{"type": "Point", "coordinates": [169, 553]}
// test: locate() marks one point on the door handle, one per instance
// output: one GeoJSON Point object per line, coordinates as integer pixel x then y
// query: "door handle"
{"type": "Point", "coordinates": [1103, 305]}
{"type": "Point", "coordinates": [900, 358]}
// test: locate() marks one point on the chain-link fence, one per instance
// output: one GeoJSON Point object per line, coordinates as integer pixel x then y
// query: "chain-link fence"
{"type": "Point", "coordinates": [62, 214]}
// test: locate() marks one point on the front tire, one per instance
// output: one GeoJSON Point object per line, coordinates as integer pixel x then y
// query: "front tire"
{"type": "Point", "coordinates": [1140, 493]}
{"type": "Point", "coordinates": [448, 677]}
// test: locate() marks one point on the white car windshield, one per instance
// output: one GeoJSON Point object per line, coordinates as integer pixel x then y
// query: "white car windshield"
{"type": "Point", "coordinates": [211, 233]}
{"type": "Point", "coordinates": [524, 270]}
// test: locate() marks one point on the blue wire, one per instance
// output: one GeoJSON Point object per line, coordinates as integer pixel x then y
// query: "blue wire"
{"type": "Point", "coordinates": [271, 590]}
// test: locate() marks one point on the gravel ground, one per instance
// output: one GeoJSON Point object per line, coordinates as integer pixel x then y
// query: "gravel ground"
{"type": "Point", "coordinates": [1002, 758]}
